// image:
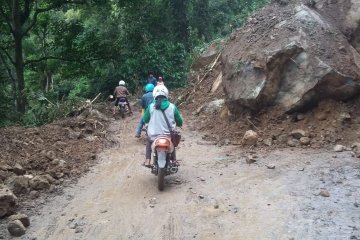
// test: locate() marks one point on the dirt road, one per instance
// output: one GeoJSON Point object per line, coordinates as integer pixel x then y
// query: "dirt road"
{"type": "Point", "coordinates": [215, 195]}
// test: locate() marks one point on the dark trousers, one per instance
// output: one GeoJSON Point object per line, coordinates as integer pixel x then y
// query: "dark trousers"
{"type": "Point", "coordinates": [122, 99]}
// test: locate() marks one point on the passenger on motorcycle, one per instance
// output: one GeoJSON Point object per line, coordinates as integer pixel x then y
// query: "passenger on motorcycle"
{"type": "Point", "coordinates": [160, 81]}
{"type": "Point", "coordinates": [146, 99]}
{"type": "Point", "coordinates": [155, 118]}
{"type": "Point", "coordinates": [120, 94]}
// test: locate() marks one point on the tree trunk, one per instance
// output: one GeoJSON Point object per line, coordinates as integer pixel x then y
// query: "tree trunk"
{"type": "Point", "coordinates": [19, 59]}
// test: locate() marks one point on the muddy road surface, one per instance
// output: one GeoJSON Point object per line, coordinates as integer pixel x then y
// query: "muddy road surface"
{"type": "Point", "coordinates": [310, 194]}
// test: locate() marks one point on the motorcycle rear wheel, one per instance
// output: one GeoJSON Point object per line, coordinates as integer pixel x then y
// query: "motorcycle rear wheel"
{"type": "Point", "coordinates": [161, 179]}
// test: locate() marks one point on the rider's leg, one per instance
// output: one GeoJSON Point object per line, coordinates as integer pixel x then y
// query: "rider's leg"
{"type": "Point", "coordinates": [116, 103]}
{"type": "Point", "coordinates": [148, 152]}
{"type": "Point", "coordinates": [127, 101]}
{"type": "Point", "coordinates": [139, 127]}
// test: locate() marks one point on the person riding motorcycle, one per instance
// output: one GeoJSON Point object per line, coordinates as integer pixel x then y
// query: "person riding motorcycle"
{"type": "Point", "coordinates": [156, 122]}
{"type": "Point", "coordinates": [146, 99]}
{"type": "Point", "coordinates": [121, 94]}
{"type": "Point", "coordinates": [151, 79]}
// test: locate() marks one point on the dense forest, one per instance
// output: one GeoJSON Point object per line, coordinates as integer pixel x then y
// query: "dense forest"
{"type": "Point", "coordinates": [55, 53]}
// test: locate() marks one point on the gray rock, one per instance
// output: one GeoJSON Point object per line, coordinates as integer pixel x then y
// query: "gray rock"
{"type": "Point", "coordinates": [16, 228]}
{"type": "Point", "coordinates": [49, 178]}
{"type": "Point", "coordinates": [268, 142]}
{"type": "Point", "coordinates": [22, 217]}
{"type": "Point", "coordinates": [39, 183]}
{"type": "Point", "coordinates": [250, 159]}
{"type": "Point", "coordinates": [270, 166]}
{"type": "Point", "coordinates": [19, 184]}
{"type": "Point", "coordinates": [339, 148]}
{"type": "Point", "coordinates": [324, 193]}
{"type": "Point", "coordinates": [250, 138]}
{"type": "Point", "coordinates": [289, 72]}
{"type": "Point", "coordinates": [34, 194]}
{"type": "Point", "coordinates": [292, 142]}
{"type": "Point", "coordinates": [305, 141]}
{"type": "Point", "coordinates": [214, 106]}
{"type": "Point", "coordinates": [18, 169]}
{"type": "Point", "coordinates": [8, 201]}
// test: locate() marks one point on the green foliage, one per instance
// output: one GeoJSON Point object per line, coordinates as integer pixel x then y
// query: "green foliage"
{"type": "Point", "coordinates": [77, 51]}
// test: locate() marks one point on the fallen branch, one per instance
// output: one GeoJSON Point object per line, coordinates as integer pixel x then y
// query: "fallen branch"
{"type": "Point", "coordinates": [186, 96]}
{"type": "Point", "coordinates": [252, 124]}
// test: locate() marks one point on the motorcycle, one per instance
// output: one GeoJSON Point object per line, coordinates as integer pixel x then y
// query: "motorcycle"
{"type": "Point", "coordinates": [164, 163]}
{"type": "Point", "coordinates": [122, 106]}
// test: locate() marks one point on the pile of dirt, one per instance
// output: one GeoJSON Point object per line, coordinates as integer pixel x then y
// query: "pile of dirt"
{"type": "Point", "coordinates": [40, 160]}
{"type": "Point", "coordinates": [324, 123]}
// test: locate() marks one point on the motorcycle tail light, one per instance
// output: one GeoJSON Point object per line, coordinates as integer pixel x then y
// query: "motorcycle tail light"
{"type": "Point", "coordinates": [162, 142]}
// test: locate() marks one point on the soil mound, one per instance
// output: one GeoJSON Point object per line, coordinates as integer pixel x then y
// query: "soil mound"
{"type": "Point", "coordinates": [36, 160]}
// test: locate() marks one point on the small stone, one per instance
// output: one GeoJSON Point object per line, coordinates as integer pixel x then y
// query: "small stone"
{"type": "Point", "coordinates": [339, 148]}
{"type": "Point", "coordinates": [16, 228]}
{"type": "Point", "coordinates": [298, 133]}
{"type": "Point", "coordinates": [356, 204]}
{"type": "Point", "coordinates": [324, 193]}
{"type": "Point", "coordinates": [300, 117]}
{"type": "Point", "coordinates": [270, 166]}
{"type": "Point", "coordinates": [18, 169]}
{"type": "Point", "coordinates": [201, 196]}
{"type": "Point", "coordinates": [34, 194]}
{"type": "Point", "coordinates": [250, 159]}
{"type": "Point", "coordinates": [304, 141]}
{"type": "Point", "coordinates": [8, 201]}
{"type": "Point", "coordinates": [292, 142]}
{"type": "Point", "coordinates": [357, 154]}
{"type": "Point", "coordinates": [103, 211]}
{"type": "Point", "coordinates": [268, 142]}
{"type": "Point", "coordinates": [39, 183]}
{"type": "Point", "coordinates": [202, 179]}
{"type": "Point", "coordinates": [250, 138]}
{"type": "Point", "coordinates": [22, 217]}
{"type": "Point", "coordinates": [19, 184]}
{"type": "Point", "coordinates": [216, 206]}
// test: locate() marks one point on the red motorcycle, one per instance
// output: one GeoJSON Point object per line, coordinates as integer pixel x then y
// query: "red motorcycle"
{"type": "Point", "coordinates": [164, 163]}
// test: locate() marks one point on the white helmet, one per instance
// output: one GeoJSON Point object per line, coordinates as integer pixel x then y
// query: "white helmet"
{"type": "Point", "coordinates": [122, 82]}
{"type": "Point", "coordinates": [160, 90]}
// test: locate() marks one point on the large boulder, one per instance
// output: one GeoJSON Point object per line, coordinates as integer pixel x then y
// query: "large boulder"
{"type": "Point", "coordinates": [8, 201]}
{"type": "Point", "coordinates": [290, 60]}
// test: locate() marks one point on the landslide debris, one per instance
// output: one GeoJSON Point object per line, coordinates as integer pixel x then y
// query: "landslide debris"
{"type": "Point", "coordinates": [292, 66]}
{"type": "Point", "coordinates": [36, 161]}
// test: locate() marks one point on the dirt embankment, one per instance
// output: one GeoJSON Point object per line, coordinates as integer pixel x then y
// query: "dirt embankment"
{"type": "Point", "coordinates": [44, 159]}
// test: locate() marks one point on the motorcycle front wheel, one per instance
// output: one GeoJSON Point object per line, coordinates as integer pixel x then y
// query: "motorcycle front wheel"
{"type": "Point", "coordinates": [161, 179]}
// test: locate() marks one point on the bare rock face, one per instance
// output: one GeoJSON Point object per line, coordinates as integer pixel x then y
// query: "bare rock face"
{"type": "Point", "coordinates": [290, 60]}
{"type": "Point", "coordinates": [8, 201]}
